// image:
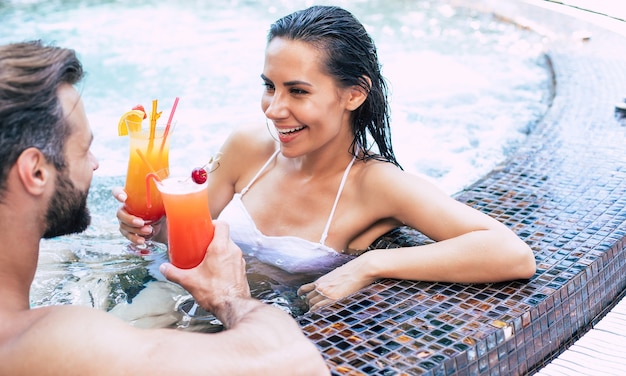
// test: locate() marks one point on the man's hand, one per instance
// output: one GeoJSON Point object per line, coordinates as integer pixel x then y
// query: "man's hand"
{"type": "Point", "coordinates": [219, 282]}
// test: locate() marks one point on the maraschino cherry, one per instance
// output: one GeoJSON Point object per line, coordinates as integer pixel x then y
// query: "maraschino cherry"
{"type": "Point", "coordinates": [142, 109]}
{"type": "Point", "coordinates": [199, 175]}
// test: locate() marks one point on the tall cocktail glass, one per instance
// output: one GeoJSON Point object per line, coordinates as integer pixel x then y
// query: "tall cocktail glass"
{"type": "Point", "coordinates": [149, 152]}
{"type": "Point", "coordinates": [189, 224]}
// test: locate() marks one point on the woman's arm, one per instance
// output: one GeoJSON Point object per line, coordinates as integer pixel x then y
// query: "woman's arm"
{"type": "Point", "coordinates": [234, 156]}
{"type": "Point", "coordinates": [470, 246]}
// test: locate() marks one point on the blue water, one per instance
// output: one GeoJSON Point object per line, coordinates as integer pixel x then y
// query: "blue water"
{"type": "Point", "coordinates": [466, 89]}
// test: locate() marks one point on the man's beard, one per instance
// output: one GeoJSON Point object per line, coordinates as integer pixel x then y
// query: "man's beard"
{"type": "Point", "coordinates": [67, 211]}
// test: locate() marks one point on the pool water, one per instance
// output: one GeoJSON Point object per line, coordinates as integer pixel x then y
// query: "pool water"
{"type": "Point", "coordinates": [466, 89]}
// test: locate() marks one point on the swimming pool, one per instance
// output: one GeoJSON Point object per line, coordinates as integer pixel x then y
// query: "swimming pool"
{"type": "Point", "coordinates": [466, 89]}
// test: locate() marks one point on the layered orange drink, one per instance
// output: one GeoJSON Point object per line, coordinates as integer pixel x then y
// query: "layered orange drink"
{"type": "Point", "coordinates": [146, 156]}
{"type": "Point", "coordinates": [149, 152]}
{"type": "Point", "coordinates": [189, 224]}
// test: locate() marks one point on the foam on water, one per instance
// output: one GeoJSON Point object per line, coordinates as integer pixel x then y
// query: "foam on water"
{"type": "Point", "coordinates": [465, 87]}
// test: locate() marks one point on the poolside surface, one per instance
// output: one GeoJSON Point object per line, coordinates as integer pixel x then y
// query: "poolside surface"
{"type": "Point", "coordinates": [601, 351]}
{"type": "Point", "coordinates": [564, 193]}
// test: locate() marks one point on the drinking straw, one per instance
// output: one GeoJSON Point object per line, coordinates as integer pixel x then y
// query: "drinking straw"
{"type": "Point", "coordinates": [153, 119]}
{"type": "Point", "coordinates": [167, 127]}
{"type": "Point", "coordinates": [150, 175]}
{"type": "Point", "coordinates": [145, 161]}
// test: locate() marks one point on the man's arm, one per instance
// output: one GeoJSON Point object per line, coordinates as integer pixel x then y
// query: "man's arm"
{"type": "Point", "coordinates": [259, 340]}
{"type": "Point", "coordinates": [72, 340]}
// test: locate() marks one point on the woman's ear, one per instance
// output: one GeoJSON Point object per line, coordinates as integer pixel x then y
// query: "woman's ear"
{"type": "Point", "coordinates": [358, 95]}
{"type": "Point", "coordinates": [33, 170]}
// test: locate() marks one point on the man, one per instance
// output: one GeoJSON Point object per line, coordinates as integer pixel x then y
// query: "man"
{"type": "Point", "coordinates": [46, 168]}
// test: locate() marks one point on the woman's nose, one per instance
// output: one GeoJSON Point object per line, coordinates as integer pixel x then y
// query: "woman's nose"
{"type": "Point", "coordinates": [276, 107]}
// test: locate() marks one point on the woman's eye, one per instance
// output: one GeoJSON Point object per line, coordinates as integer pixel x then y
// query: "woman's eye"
{"type": "Point", "coordinates": [268, 86]}
{"type": "Point", "coordinates": [298, 91]}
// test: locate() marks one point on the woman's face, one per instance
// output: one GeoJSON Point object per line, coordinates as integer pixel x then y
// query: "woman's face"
{"type": "Point", "coordinates": [305, 104]}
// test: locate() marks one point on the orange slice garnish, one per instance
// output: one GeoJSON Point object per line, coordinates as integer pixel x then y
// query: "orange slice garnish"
{"type": "Point", "coordinates": [135, 116]}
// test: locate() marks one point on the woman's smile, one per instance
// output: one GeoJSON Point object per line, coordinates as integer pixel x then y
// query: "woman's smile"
{"type": "Point", "coordinates": [287, 134]}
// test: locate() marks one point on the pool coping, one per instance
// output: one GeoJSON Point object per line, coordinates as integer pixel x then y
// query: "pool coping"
{"type": "Point", "coordinates": [563, 192]}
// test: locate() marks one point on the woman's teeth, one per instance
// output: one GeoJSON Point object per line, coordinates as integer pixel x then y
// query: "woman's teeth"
{"type": "Point", "coordinates": [290, 130]}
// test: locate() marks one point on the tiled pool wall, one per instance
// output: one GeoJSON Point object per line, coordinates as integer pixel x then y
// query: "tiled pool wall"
{"type": "Point", "coordinates": [563, 192]}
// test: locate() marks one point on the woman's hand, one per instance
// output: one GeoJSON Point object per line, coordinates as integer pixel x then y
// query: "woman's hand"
{"type": "Point", "coordinates": [336, 284]}
{"type": "Point", "coordinates": [133, 228]}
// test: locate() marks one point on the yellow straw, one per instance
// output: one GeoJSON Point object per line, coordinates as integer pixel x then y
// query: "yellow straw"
{"type": "Point", "coordinates": [153, 119]}
{"type": "Point", "coordinates": [143, 158]}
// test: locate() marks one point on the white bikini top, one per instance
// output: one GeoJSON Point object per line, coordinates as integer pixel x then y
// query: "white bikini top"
{"type": "Point", "coordinates": [290, 253]}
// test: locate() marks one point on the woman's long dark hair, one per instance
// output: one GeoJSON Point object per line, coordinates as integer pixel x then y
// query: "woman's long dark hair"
{"type": "Point", "coordinates": [351, 57]}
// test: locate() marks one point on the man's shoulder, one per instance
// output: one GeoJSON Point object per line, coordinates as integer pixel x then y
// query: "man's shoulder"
{"type": "Point", "coordinates": [49, 334]}
{"type": "Point", "coordinates": [35, 323]}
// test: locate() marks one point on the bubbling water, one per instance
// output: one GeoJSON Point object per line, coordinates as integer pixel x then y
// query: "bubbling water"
{"type": "Point", "coordinates": [466, 89]}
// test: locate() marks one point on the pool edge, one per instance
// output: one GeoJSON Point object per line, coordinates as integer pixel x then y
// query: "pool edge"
{"type": "Point", "coordinates": [563, 192]}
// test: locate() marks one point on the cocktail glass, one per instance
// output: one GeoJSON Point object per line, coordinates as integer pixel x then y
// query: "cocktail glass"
{"type": "Point", "coordinates": [149, 152]}
{"type": "Point", "coordinates": [189, 224]}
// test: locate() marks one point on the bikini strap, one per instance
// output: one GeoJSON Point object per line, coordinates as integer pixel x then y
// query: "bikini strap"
{"type": "Point", "coordinates": [243, 191]}
{"type": "Point", "coordinates": [332, 212]}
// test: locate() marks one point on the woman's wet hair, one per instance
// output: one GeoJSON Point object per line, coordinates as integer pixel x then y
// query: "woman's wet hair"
{"type": "Point", "coordinates": [31, 114]}
{"type": "Point", "coordinates": [351, 58]}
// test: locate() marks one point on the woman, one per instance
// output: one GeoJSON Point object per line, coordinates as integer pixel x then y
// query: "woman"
{"type": "Point", "coordinates": [327, 184]}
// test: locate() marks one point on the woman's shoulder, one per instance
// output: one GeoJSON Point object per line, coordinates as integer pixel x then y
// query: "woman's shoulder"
{"type": "Point", "coordinates": [251, 140]}
{"type": "Point", "coordinates": [373, 170]}
{"type": "Point", "coordinates": [243, 152]}
{"type": "Point", "coordinates": [380, 177]}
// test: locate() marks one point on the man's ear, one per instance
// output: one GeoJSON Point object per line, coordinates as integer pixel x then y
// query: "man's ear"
{"type": "Point", "coordinates": [33, 170]}
{"type": "Point", "coordinates": [358, 95]}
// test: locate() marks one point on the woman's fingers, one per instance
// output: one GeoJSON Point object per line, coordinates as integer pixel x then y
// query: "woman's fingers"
{"type": "Point", "coordinates": [119, 194]}
{"type": "Point", "coordinates": [314, 298]}
{"type": "Point", "coordinates": [131, 227]}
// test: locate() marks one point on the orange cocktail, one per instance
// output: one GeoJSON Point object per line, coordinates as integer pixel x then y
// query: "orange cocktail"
{"type": "Point", "coordinates": [147, 154]}
{"type": "Point", "coordinates": [189, 224]}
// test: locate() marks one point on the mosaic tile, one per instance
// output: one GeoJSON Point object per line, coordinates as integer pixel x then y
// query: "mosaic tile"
{"type": "Point", "coordinates": [564, 194]}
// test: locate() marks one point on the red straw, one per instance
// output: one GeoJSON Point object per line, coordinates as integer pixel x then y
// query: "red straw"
{"type": "Point", "coordinates": [169, 123]}
{"type": "Point", "coordinates": [151, 173]}
{"type": "Point", "coordinates": [154, 176]}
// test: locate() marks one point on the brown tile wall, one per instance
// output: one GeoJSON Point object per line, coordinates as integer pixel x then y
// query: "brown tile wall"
{"type": "Point", "coordinates": [564, 193]}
